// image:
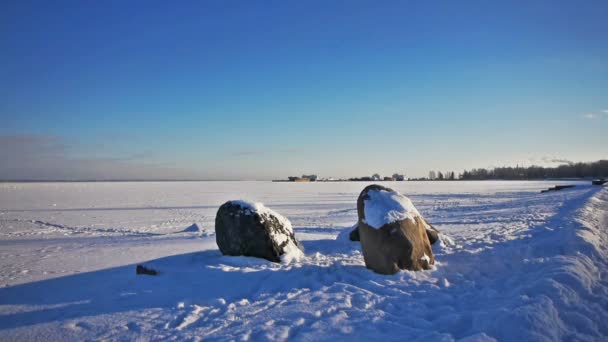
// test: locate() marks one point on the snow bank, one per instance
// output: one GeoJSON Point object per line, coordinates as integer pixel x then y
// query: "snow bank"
{"type": "Point", "coordinates": [384, 207]}
{"type": "Point", "coordinates": [524, 266]}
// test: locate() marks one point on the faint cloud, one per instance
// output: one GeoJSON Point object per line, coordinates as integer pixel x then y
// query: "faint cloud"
{"type": "Point", "coordinates": [133, 157]}
{"type": "Point", "coordinates": [590, 116]}
{"type": "Point", "coordinates": [244, 153]}
{"type": "Point", "coordinates": [46, 157]}
{"type": "Point", "coordinates": [31, 144]}
{"type": "Point", "coordinates": [557, 160]}
{"type": "Point", "coordinates": [247, 153]}
{"type": "Point", "coordinates": [596, 115]}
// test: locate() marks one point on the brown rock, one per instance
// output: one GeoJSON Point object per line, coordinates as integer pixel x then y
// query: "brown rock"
{"type": "Point", "coordinates": [399, 245]}
{"type": "Point", "coordinates": [431, 232]}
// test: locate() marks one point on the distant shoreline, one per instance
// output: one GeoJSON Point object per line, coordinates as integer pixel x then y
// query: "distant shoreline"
{"type": "Point", "coordinates": [126, 181]}
{"type": "Point", "coordinates": [283, 181]}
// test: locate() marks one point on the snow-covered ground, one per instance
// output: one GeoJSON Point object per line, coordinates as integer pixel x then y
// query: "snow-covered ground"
{"type": "Point", "coordinates": [525, 266]}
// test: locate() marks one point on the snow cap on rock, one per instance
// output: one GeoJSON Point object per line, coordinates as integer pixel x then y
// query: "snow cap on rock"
{"type": "Point", "coordinates": [384, 207]}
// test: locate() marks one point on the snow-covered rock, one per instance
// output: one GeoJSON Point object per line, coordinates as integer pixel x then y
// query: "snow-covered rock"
{"type": "Point", "coordinates": [384, 206]}
{"type": "Point", "coordinates": [389, 206]}
{"type": "Point", "coordinates": [251, 229]}
{"type": "Point", "coordinates": [393, 233]}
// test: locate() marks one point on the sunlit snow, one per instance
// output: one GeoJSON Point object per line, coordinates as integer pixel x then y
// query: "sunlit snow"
{"type": "Point", "coordinates": [522, 266]}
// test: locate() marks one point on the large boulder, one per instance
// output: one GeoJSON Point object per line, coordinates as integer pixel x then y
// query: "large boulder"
{"type": "Point", "coordinates": [393, 233]}
{"type": "Point", "coordinates": [431, 232]}
{"type": "Point", "coordinates": [251, 229]}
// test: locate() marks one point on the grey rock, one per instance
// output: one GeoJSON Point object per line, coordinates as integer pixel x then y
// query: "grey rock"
{"type": "Point", "coordinates": [242, 230]}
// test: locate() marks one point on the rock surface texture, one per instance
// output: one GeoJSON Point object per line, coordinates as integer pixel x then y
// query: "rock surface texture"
{"type": "Point", "coordinates": [393, 233]}
{"type": "Point", "coordinates": [354, 234]}
{"type": "Point", "coordinates": [431, 232]}
{"type": "Point", "coordinates": [251, 229]}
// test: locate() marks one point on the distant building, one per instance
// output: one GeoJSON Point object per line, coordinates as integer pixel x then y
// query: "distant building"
{"type": "Point", "coordinates": [304, 178]}
{"type": "Point", "coordinates": [312, 178]}
{"type": "Point", "coordinates": [398, 177]}
{"type": "Point", "coordinates": [388, 179]}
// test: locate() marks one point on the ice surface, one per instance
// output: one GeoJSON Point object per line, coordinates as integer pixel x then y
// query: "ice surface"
{"type": "Point", "coordinates": [523, 265]}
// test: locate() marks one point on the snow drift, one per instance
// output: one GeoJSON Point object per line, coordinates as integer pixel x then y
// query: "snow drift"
{"type": "Point", "coordinates": [524, 266]}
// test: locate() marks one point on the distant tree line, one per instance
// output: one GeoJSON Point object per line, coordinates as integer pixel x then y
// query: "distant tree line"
{"type": "Point", "coordinates": [598, 169]}
{"type": "Point", "coordinates": [449, 175]}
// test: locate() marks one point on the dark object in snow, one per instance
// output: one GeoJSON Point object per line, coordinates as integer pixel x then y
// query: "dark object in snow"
{"type": "Point", "coordinates": [241, 229]}
{"type": "Point", "coordinates": [354, 234]}
{"type": "Point", "coordinates": [192, 229]}
{"type": "Point", "coordinates": [558, 187]}
{"type": "Point", "coordinates": [144, 270]}
{"type": "Point", "coordinates": [431, 232]}
{"type": "Point", "coordinates": [399, 245]}
{"type": "Point", "coordinates": [598, 181]}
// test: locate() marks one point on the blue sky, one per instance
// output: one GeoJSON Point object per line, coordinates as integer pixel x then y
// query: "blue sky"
{"type": "Point", "coordinates": [262, 90]}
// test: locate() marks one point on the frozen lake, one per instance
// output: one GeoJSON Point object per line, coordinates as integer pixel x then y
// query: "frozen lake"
{"type": "Point", "coordinates": [524, 265]}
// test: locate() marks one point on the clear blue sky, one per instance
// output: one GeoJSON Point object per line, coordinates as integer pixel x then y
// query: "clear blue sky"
{"type": "Point", "coordinates": [261, 90]}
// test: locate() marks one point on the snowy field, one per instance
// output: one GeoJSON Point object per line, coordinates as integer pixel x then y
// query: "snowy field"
{"type": "Point", "coordinates": [525, 266]}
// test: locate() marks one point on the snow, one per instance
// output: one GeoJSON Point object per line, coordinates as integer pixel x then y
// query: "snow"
{"type": "Point", "coordinates": [383, 207]}
{"type": "Point", "coordinates": [522, 266]}
{"type": "Point", "coordinates": [251, 206]}
{"type": "Point", "coordinates": [425, 258]}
